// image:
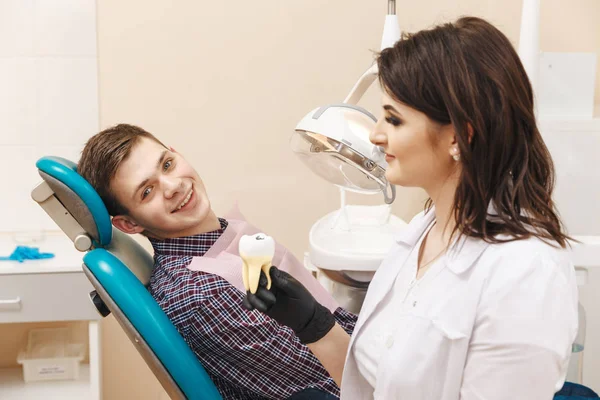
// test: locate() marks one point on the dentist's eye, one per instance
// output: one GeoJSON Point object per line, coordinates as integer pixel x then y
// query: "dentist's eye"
{"type": "Point", "coordinates": [393, 121]}
{"type": "Point", "coordinates": [146, 192]}
{"type": "Point", "coordinates": [167, 165]}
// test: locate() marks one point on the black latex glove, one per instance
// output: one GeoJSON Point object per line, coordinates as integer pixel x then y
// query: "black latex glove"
{"type": "Point", "coordinates": [291, 304]}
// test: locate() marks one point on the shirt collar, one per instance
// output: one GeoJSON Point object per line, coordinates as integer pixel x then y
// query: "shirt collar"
{"type": "Point", "coordinates": [191, 246]}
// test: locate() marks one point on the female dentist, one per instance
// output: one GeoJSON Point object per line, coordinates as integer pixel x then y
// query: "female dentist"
{"type": "Point", "coordinates": [477, 299]}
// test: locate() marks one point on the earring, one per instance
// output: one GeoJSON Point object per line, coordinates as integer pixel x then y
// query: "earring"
{"type": "Point", "coordinates": [455, 154]}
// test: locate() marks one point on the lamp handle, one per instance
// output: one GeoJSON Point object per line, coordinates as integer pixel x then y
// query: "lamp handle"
{"type": "Point", "coordinates": [360, 87]}
{"type": "Point", "coordinates": [391, 34]}
{"type": "Point", "coordinates": [389, 196]}
{"type": "Point", "coordinates": [391, 27]}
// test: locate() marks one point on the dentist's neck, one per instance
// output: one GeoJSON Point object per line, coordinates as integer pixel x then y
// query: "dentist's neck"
{"type": "Point", "coordinates": [443, 199]}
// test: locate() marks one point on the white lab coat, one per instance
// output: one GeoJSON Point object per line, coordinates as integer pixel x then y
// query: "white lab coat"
{"type": "Point", "coordinates": [496, 323]}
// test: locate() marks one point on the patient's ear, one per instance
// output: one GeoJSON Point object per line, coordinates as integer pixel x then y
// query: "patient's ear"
{"type": "Point", "coordinates": [125, 224]}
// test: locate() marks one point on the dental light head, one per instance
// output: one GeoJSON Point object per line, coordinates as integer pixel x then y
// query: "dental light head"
{"type": "Point", "coordinates": [347, 246]}
{"type": "Point", "coordinates": [333, 140]}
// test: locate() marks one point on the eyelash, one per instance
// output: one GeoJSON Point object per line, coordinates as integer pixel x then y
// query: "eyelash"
{"type": "Point", "coordinates": [166, 166]}
{"type": "Point", "coordinates": [393, 121]}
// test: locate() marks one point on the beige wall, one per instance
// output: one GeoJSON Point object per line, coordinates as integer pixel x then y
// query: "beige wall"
{"type": "Point", "coordinates": [225, 82]}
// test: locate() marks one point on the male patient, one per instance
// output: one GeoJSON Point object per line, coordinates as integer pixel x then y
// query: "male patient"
{"type": "Point", "coordinates": [151, 189]}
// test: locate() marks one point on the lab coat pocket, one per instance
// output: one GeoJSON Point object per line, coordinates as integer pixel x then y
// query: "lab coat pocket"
{"type": "Point", "coordinates": [425, 360]}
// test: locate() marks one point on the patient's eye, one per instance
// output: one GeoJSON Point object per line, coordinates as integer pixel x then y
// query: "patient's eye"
{"type": "Point", "coordinates": [167, 165]}
{"type": "Point", "coordinates": [146, 192]}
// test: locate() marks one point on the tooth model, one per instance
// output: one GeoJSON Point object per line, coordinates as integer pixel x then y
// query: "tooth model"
{"type": "Point", "coordinates": [257, 253]}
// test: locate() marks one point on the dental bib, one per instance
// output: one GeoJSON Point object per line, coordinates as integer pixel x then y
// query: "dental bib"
{"type": "Point", "coordinates": [223, 259]}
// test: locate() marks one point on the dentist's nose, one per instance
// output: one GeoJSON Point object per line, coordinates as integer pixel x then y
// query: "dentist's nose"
{"type": "Point", "coordinates": [378, 137]}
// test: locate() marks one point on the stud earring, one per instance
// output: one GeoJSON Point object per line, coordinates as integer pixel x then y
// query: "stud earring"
{"type": "Point", "coordinates": [455, 154]}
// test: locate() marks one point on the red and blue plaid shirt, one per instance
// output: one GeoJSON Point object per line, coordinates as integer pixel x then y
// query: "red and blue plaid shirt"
{"type": "Point", "coordinates": [247, 354]}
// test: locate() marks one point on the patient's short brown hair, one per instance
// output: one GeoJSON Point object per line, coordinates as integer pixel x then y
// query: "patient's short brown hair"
{"type": "Point", "coordinates": [103, 154]}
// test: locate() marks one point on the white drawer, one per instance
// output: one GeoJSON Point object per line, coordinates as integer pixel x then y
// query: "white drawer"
{"type": "Point", "coordinates": [46, 297]}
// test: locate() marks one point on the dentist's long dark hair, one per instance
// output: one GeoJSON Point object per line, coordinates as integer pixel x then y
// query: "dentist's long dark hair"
{"type": "Point", "coordinates": [468, 74]}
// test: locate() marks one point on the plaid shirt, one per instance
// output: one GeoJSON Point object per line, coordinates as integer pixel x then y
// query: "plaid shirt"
{"type": "Point", "coordinates": [247, 354]}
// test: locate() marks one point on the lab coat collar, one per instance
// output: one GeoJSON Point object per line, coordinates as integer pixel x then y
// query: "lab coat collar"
{"type": "Point", "coordinates": [464, 253]}
{"type": "Point", "coordinates": [413, 231]}
{"type": "Point", "coordinates": [461, 255]}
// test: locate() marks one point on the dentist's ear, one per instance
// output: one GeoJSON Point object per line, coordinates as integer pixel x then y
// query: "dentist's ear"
{"type": "Point", "coordinates": [470, 132]}
{"type": "Point", "coordinates": [127, 225]}
{"type": "Point", "coordinates": [451, 134]}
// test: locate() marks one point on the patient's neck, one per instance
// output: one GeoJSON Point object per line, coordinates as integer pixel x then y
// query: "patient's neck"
{"type": "Point", "coordinates": [210, 223]}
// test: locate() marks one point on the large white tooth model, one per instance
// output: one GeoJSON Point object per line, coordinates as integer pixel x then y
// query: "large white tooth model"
{"type": "Point", "coordinates": [257, 253]}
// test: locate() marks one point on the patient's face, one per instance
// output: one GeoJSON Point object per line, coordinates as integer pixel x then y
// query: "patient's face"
{"type": "Point", "coordinates": [163, 193]}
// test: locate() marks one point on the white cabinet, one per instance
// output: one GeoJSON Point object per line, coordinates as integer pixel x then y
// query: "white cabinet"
{"type": "Point", "coordinates": [45, 297]}
{"type": "Point", "coordinates": [48, 290]}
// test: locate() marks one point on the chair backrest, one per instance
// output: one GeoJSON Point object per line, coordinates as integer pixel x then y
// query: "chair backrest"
{"type": "Point", "coordinates": [119, 268]}
{"type": "Point", "coordinates": [78, 210]}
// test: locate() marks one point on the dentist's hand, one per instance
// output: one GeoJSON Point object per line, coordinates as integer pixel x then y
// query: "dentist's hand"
{"type": "Point", "coordinates": [291, 304]}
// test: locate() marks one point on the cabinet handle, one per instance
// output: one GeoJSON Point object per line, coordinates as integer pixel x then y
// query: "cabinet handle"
{"type": "Point", "coordinates": [12, 304]}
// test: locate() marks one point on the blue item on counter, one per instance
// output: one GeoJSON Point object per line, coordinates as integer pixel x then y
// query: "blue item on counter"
{"type": "Point", "coordinates": [23, 253]}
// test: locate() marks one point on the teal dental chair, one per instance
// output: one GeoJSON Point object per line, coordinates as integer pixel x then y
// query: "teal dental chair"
{"type": "Point", "coordinates": [119, 270]}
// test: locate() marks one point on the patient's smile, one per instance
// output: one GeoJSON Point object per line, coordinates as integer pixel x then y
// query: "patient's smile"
{"type": "Point", "coordinates": [186, 203]}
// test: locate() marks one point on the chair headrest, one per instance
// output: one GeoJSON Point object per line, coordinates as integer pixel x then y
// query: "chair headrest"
{"type": "Point", "coordinates": [78, 196]}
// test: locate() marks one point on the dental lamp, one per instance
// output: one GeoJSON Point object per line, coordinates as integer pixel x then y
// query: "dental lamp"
{"type": "Point", "coordinates": [348, 245]}
{"type": "Point", "coordinates": [333, 140]}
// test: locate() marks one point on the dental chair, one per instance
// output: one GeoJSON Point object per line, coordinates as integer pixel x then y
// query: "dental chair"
{"type": "Point", "coordinates": [119, 270]}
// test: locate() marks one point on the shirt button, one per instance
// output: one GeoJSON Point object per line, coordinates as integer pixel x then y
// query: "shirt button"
{"type": "Point", "coordinates": [389, 342]}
